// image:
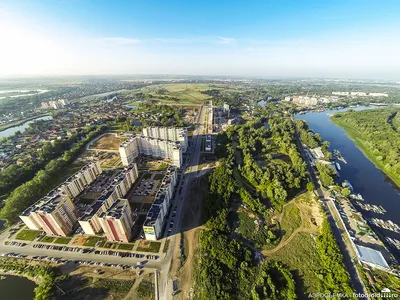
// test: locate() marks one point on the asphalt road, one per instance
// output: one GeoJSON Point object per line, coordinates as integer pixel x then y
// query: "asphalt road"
{"type": "Point", "coordinates": [166, 282]}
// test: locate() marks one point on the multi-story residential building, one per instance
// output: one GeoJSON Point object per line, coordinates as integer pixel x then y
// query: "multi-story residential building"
{"type": "Point", "coordinates": [75, 185]}
{"type": "Point", "coordinates": [210, 120]}
{"type": "Point", "coordinates": [161, 148]}
{"type": "Point", "coordinates": [153, 224]}
{"type": "Point", "coordinates": [123, 182]}
{"type": "Point", "coordinates": [54, 104]}
{"type": "Point", "coordinates": [117, 221]}
{"type": "Point", "coordinates": [55, 214]}
{"type": "Point", "coordinates": [131, 148]}
{"type": "Point", "coordinates": [177, 134]}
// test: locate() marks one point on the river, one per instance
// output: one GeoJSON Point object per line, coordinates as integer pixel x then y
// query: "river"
{"type": "Point", "coordinates": [103, 94]}
{"type": "Point", "coordinates": [12, 130]}
{"type": "Point", "coordinates": [366, 179]}
{"type": "Point", "coordinates": [19, 288]}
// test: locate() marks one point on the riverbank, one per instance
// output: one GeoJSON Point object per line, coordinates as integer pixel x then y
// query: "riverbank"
{"type": "Point", "coordinates": [17, 123]}
{"type": "Point", "coordinates": [360, 140]}
{"type": "Point", "coordinates": [35, 279]}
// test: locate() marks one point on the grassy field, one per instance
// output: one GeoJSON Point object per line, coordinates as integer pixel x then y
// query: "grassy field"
{"type": "Point", "coordinates": [125, 246]}
{"type": "Point", "coordinates": [107, 142]}
{"type": "Point", "coordinates": [91, 241]}
{"type": "Point", "coordinates": [118, 288]}
{"type": "Point", "coordinates": [300, 255]}
{"type": "Point", "coordinates": [291, 220]}
{"type": "Point", "coordinates": [185, 93]}
{"type": "Point", "coordinates": [145, 290]}
{"type": "Point", "coordinates": [158, 176]}
{"type": "Point", "coordinates": [62, 240]}
{"type": "Point", "coordinates": [147, 246]}
{"type": "Point", "coordinates": [166, 245]}
{"type": "Point", "coordinates": [358, 139]}
{"type": "Point", "coordinates": [47, 239]}
{"type": "Point", "coordinates": [27, 235]}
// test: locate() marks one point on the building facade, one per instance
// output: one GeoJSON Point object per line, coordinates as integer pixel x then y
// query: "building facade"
{"type": "Point", "coordinates": [117, 221]}
{"type": "Point", "coordinates": [55, 214]}
{"type": "Point", "coordinates": [123, 182]}
{"type": "Point", "coordinates": [155, 218]}
{"type": "Point", "coordinates": [136, 145]}
{"type": "Point", "coordinates": [75, 185]}
{"type": "Point", "coordinates": [177, 134]}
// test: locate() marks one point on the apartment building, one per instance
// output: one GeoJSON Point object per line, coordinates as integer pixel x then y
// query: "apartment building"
{"type": "Point", "coordinates": [154, 222]}
{"type": "Point", "coordinates": [177, 134]}
{"type": "Point", "coordinates": [131, 148]}
{"type": "Point", "coordinates": [117, 221]}
{"type": "Point", "coordinates": [55, 214]}
{"type": "Point", "coordinates": [121, 185]}
{"type": "Point", "coordinates": [161, 148]}
{"type": "Point", "coordinates": [75, 185]}
{"type": "Point", "coordinates": [54, 104]}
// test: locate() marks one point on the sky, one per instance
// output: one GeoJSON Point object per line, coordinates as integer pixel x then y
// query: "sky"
{"type": "Point", "coordinates": [271, 38]}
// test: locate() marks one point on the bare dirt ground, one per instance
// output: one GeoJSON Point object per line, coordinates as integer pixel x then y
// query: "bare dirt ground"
{"type": "Point", "coordinates": [107, 142]}
{"type": "Point", "coordinates": [191, 228]}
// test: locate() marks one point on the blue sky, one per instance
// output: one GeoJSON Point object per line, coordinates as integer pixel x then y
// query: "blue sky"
{"type": "Point", "coordinates": [348, 39]}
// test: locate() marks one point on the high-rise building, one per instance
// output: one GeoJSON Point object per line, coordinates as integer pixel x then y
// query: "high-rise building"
{"type": "Point", "coordinates": [155, 218]}
{"type": "Point", "coordinates": [75, 185]}
{"type": "Point", "coordinates": [177, 134]}
{"type": "Point", "coordinates": [123, 182]}
{"type": "Point", "coordinates": [131, 148]}
{"type": "Point", "coordinates": [55, 214]}
{"type": "Point", "coordinates": [117, 221]}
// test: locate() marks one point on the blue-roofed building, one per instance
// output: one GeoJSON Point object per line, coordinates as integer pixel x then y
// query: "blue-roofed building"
{"type": "Point", "coordinates": [371, 257]}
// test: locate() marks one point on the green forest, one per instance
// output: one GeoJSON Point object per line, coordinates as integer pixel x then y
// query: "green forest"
{"type": "Point", "coordinates": [377, 133]}
{"type": "Point", "coordinates": [260, 169]}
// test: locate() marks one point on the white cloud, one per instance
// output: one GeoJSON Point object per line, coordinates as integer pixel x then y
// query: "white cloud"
{"type": "Point", "coordinates": [226, 41]}
{"type": "Point", "coordinates": [117, 40]}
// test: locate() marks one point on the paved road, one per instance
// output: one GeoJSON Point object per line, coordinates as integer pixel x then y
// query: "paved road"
{"type": "Point", "coordinates": [166, 282]}
{"type": "Point", "coordinates": [355, 278]}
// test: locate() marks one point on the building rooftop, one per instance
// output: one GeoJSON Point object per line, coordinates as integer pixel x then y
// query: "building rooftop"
{"type": "Point", "coordinates": [116, 209]}
{"type": "Point", "coordinates": [372, 256]}
{"type": "Point", "coordinates": [46, 204]}
{"type": "Point", "coordinates": [155, 208]}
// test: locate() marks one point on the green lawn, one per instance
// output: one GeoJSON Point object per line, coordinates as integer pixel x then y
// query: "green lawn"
{"type": "Point", "coordinates": [146, 176]}
{"type": "Point", "coordinates": [125, 246]}
{"type": "Point", "coordinates": [113, 286]}
{"type": "Point", "coordinates": [27, 235]}
{"type": "Point", "coordinates": [185, 93]}
{"type": "Point", "coordinates": [291, 220]}
{"type": "Point", "coordinates": [166, 245]}
{"type": "Point", "coordinates": [158, 176]}
{"type": "Point", "coordinates": [301, 256]}
{"type": "Point", "coordinates": [153, 247]}
{"type": "Point", "coordinates": [91, 241]}
{"type": "Point", "coordinates": [107, 245]}
{"type": "Point", "coordinates": [47, 239]}
{"type": "Point", "coordinates": [62, 240]}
